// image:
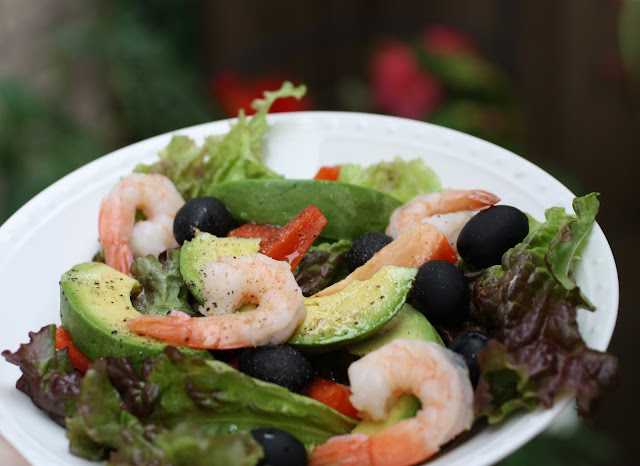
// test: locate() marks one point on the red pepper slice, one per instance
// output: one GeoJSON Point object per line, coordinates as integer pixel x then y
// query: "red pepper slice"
{"type": "Point", "coordinates": [79, 360]}
{"type": "Point", "coordinates": [255, 230]}
{"type": "Point", "coordinates": [326, 172]}
{"type": "Point", "coordinates": [293, 240]}
{"type": "Point", "coordinates": [332, 394]}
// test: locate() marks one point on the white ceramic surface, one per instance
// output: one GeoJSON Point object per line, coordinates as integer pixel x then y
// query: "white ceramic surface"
{"type": "Point", "coordinates": [58, 228]}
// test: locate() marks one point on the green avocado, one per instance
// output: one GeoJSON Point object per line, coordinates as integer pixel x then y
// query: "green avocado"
{"type": "Point", "coordinates": [206, 247]}
{"type": "Point", "coordinates": [409, 324]}
{"type": "Point", "coordinates": [350, 210]}
{"type": "Point", "coordinates": [354, 313]}
{"type": "Point", "coordinates": [95, 305]}
{"type": "Point", "coordinates": [407, 406]}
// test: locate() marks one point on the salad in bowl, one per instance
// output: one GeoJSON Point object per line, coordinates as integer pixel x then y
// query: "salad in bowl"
{"type": "Point", "coordinates": [371, 307]}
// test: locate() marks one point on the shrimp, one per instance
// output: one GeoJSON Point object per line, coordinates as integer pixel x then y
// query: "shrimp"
{"type": "Point", "coordinates": [448, 210]}
{"type": "Point", "coordinates": [436, 375]}
{"type": "Point", "coordinates": [230, 282]}
{"type": "Point", "coordinates": [413, 248]}
{"type": "Point", "coordinates": [120, 235]}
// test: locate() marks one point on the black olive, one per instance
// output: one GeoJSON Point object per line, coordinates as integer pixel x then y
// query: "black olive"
{"type": "Point", "coordinates": [441, 293]}
{"type": "Point", "coordinates": [207, 214]}
{"type": "Point", "coordinates": [280, 447]}
{"type": "Point", "coordinates": [280, 364]}
{"type": "Point", "coordinates": [333, 365]}
{"type": "Point", "coordinates": [364, 247]}
{"type": "Point", "coordinates": [490, 233]}
{"type": "Point", "coordinates": [467, 344]}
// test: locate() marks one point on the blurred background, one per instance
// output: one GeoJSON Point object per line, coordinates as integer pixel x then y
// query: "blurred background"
{"type": "Point", "coordinates": [557, 82]}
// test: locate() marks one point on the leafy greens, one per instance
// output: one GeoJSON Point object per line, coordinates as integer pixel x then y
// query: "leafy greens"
{"type": "Point", "coordinates": [176, 411]}
{"type": "Point", "coordinates": [163, 285]}
{"type": "Point", "coordinates": [235, 155]}
{"type": "Point", "coordinates": [529, 303]}
{"type": "Point", "coordinates": [48, 377]}
{"type": "Point", "coordinates": [402, 179]}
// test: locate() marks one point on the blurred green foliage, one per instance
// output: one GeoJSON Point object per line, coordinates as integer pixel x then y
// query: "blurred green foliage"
{"type": "Point", "coordinates": [148, 55]}
{"type": "Point", "coordinates": [147, 58]}
{"type": "Point", "coordinates": [38, 145]}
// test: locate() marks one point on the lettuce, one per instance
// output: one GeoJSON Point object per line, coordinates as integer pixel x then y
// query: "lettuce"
{"type": "Point", "coordinates": [163, 285]}
{"type": "Point", "coordinates": [101, 429]}
{"type": "Point", "coordinates": [176, 410]}
{"type": "Point", "coordinates": [321, 265]}
{"type": "Point", "coordinates": [402, 179]}
{"type": "Point", "coordinates": [235, 155]}
{"type": "Point", "coordinates": [48, 377]}
{"type": "Point", "coordinates": [529, 304]}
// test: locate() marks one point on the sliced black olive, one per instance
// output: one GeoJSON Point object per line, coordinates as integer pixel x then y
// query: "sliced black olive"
{"type": "Point", "coordinates": [441, 293]}
{"type": "Point", "coordinates": [280, 448]}
{"type": "Point", "coordinates": [364, 247]}
{"type": "Point", "coordinates": [280, 364]}
{"type": "Point", "coordinates": [490, 233]}
{"type": "Point", "coordinates": [207, 214]}
{"type": "Point", "coordinates": [467, 344]}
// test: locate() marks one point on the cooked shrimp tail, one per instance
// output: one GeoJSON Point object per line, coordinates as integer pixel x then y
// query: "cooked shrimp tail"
{"type": "Point", "coordinates": [173, 328]}
{"type": "Point", "coordinates": [119, 257]}
{"type": "Point", "coordinates": [439, 209]}
{"type": "Point", "coordinates": [436, 375]}
{"type": "Point", "coordinates": [121, 237]}
{"type": "Point", "coordinates": [230, 283]}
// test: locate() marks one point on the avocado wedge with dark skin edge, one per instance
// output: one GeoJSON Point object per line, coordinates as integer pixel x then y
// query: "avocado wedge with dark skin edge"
{"type": "Point", "coordinates": [95, 305]}
{"type": "Point", "coordinates": [354, 313]}
{"type": "Point", "coordinates": [409, 324]}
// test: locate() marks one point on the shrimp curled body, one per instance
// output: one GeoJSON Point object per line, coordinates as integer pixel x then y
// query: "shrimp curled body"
{"type": "Point", "coordinates": [436, 375]}
{"type": "Point", "coordinates": [230, 282]}
{"type": "Point", "coordinates": [121, 236]}
{"type": "Point", "coordinates": [447, 210]}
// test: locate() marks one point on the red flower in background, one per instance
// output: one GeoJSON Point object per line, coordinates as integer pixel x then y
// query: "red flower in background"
{"type": "Point", "coordinates": [233, 92]}
{"type": "Point", "coordinates": [400, 86]}
{"type": "Point", "coordinates": [444, 40]}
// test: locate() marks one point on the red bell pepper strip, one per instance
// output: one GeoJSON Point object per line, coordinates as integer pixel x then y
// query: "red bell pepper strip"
{"type": "Point", "coordinates": [255, 230]}
{"type": "Point", "coordinates": [326, 172]}
{"type": "Point", "coordinates": [79, 360]}
{"type": "Point", "coordinates": [293, 240]}
{"type": "Point", "coordinates": [332, 394]}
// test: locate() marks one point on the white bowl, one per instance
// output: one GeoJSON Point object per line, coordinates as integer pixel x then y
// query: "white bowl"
{"type": "Point", "coordinates": [58, 229]}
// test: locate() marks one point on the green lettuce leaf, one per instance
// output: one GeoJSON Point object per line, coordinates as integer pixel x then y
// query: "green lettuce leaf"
{"type": "Point", "coordinates": [529, 304]}
{"type": "Point", "coordinates": [187, 444]}
{"type": "Point", "coordinates": [402, 179]}
{"type": "Point", "coordinates": [220, 399]}
{"type": "Point", "coordinates": [235, 155]}
{"type": "Point", "coordinates": [163, 285]}
{"type": "Point", "coordinates": [101, 429]}
{"type": "Point", "coordinates": [175, 395]}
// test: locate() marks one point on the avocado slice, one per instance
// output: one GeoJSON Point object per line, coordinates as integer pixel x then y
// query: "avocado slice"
{"type": "Point", "coordinates": [95, 304]}
{"type": "Point", "coordinates": [409, 324]}
{"type": "Point", "coordinates": [407, 406]}
{"type": "Point", "coordinates": [205, 247]}
{"type": "Point", "coordinates": [350, 210]}
{"type": "Point", "coordinates": [355, 312]}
